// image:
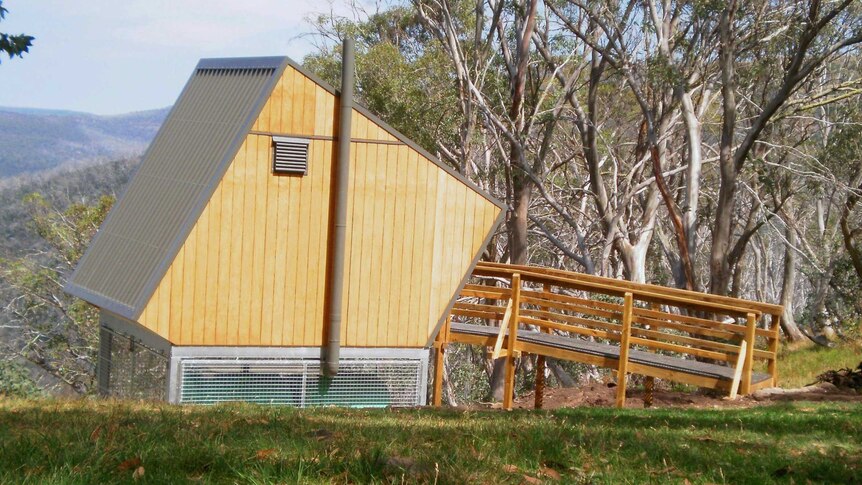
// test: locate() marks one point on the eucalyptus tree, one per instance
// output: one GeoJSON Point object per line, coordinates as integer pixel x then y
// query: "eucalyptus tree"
{"type": "Point", "coordinates": [637, 47]}
{"type": "Point", "coordinates": [800, 164]}
{"type": "Point", "coordinates": [500, 79]}
{"type": "Point", "coordinates": [515, 96]}
{"type": "Point", "coordinates": [794, 39]}
{"type": "Point", "coordinates": [845, 148]}
{"type": "Point", "coordinates": [402, 75]}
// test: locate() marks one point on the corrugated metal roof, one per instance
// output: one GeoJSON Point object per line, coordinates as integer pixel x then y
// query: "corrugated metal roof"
{"type": "Point", "coordinates": [176, 177]}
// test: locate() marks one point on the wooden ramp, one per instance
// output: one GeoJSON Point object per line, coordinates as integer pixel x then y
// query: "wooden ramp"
{"type": "Point", "coordinates": [683, 336]}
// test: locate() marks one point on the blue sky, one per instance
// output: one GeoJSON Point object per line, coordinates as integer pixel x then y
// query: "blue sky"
{"type": "Point", "coordinates": [117, 56]}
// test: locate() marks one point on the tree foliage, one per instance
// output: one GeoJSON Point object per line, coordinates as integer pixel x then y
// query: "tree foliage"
{"type": "Point", "coordinates": [14, 45]}
{"type": "Point", "coordinates": [57, 332]}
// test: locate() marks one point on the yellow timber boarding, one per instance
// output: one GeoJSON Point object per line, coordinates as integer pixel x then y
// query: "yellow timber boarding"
{"type": "Point", "coordinates": [252, 271]}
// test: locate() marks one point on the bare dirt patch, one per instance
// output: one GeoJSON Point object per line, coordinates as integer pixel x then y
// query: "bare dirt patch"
{"type": "Point", "coordinates": [602, 395]}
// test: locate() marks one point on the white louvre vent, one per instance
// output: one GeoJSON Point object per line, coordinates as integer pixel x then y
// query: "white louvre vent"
{"type": "Point", "coordinates": [298, 382]}
{"type": "Point", "coordinates": [290, 155]}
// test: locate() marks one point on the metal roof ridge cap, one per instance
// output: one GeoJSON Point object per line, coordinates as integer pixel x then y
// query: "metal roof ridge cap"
{"type": "Point", "coordinates": [268, 62]}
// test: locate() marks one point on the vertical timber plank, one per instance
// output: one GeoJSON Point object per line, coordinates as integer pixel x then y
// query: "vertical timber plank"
{"type": "Point", "coordinates": [438, 249]}
{"type": "Point", "coordinates": [292, 332]}
{"type": "Point", "coordinates": [165, 295]}
{"type": "Point", "coordinates": [354, 247]}
{"type": "Point", "coordinates": [189, 289]}
{"type": "Point", "coordinates": [177, 297]}
{"type": "Point", "coordinates": [276, 102]}
{"type": "Point", "coordinates": [224, 255]}
{"type": "Point", "coordinates": [407, 200]}
{"type": "Point", "coordinates": [397, 336]}
{"type": "Point", "coordinates": [259, 169]}
{"type": "Point", "coordinates": [417, 250]}
{"type": "Point", "coordinates": [248, 242]}
{"type": "Point", "coordinates": [213, 268]}
{"type": "Point", "coordinates": [201, 260]}
{"type": "Point", "coordinates": [297, 94]}
{"type": "Point", "coordinates": [286, 87]}
{"type": "Point", "coordinates": [378, 175]}
{"type": "Point", "coordinates": [304, 335]}
{"type": "Point", "coordinates": [388, 332]}
{"type": "Point", "coordinates": [433, 193]}
{"type": "Point", "coordinates": [318, 217]}
{"type": "Point", "coordinates": [280, 269]}
{"type": "Point", "coordinates": [270, 223]}
{"type": "Point", "coordinates": [236, 243]}
{"type": "Point", "coordinates": [365, 181]}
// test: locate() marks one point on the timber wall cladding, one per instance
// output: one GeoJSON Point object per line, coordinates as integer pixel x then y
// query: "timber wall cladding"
{"type": "Point", "coordinates": [252, 270]}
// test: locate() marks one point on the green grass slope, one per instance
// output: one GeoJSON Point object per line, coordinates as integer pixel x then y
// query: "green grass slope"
{"type": "Point", "coordinates": [106, 442]}
{"type": "Point", "coordinates": [800, 367]}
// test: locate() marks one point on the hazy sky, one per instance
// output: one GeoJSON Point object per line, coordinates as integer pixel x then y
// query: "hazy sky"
{"type": "Point", "coordinates": [116, 56]}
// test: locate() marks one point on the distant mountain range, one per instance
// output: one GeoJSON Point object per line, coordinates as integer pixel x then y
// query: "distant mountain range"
{"type": "Point", "coordinates": [36, 140]}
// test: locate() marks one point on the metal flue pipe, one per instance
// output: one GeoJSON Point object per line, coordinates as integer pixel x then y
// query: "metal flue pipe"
{"type": "Point", "coordinates": [339, 225]}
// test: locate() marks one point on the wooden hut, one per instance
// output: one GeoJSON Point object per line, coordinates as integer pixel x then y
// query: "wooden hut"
{"type": "Point", "coordinates": [216, 270]}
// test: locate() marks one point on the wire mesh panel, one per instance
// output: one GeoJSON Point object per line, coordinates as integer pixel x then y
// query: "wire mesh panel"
{"type": "Point", "coordinates": [131, 370]}
{"type": "Point", "coordinates": [298, 382]}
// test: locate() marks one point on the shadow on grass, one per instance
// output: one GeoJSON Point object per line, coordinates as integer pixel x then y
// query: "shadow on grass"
{"type": "Point", "coordinates": [97, 442]}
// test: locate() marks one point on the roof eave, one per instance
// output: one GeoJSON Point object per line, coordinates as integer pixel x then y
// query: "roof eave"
{"type": "Point", "coordinates": [100, 301]}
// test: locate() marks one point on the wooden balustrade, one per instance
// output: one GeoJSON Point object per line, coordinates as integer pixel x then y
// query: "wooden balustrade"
{"type": "Point", "coordinates": [636, 317]}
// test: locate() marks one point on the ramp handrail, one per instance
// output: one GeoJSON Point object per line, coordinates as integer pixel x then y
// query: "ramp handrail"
{"type": "Point", "coordinates": [635, 315]}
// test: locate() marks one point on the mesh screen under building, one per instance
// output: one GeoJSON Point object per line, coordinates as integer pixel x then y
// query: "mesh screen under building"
{"type": "Point", "coordinates": [129, 369]}
{"type": "Point", "coordinates": [298, 382]}
{"type": "Point", "coordinates": [132, 367]}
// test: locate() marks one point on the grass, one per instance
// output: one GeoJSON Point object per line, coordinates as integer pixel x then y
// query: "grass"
{"type": "Point", "coordinates": [43, 441]}
{"type": "Point", "coordinates": [799, 367]}
{"type": "Point", "coordinates": [94, 441]}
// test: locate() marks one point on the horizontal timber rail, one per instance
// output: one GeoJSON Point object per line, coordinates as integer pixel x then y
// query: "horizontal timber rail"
{"type": "Point", "coordinates": [684, 336]}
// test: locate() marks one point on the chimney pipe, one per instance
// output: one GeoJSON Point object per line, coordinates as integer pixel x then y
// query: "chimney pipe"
{"type": "Point", "coordinates": [339, 225]}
